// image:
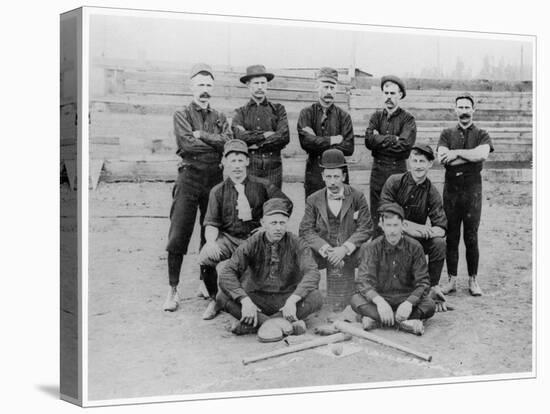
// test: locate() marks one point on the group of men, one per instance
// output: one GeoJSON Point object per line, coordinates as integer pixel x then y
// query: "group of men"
{"type": "Point", "coordinates": [254, 268]}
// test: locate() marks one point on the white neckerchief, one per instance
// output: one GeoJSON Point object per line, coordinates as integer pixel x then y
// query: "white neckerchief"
{"type": "Point", "coordinates": [335, 205]}
{"type": "Point", "coordinates": [243, 206]}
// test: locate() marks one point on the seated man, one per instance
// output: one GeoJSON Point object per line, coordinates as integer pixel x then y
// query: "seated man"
{"type": "Point", "coordinates": [270, 274]}
{"type": "Point", "coordinates": [336, 221]}
{"type": "Point", "coordinates": [420, 200]}
{"type": "Point", "coordinates": [234, 210]}
{"type": "Point", "coordinates": [393, 280]}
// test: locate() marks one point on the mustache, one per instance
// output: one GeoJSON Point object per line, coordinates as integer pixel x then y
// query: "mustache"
{"type": "Point", "coordinates": [204, 95]}
{"type": "Point", "coordinates": [464, 116]}
{"type": "Point", "coordinates": [389, 101]}
{"type": "Point", "coordinates": [328, 96]}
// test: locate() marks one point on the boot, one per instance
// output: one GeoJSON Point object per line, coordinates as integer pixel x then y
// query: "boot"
{"type": "Point", "coordinates": [211, 310]}
{"type": "Point", "coordinates": [414, 326]}
{"type": "Point", "coordinates": [368, 323]}
{"type": "Point", "coordinates": [474, 288]}
{"type": "Point", "coordinates": [450, 286]}
{"type": "Point", "coordinates": [171, 302]}
{"type": "Point", "coordinates": [202, 292]}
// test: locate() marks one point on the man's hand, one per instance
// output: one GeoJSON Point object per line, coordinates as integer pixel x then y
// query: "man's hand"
{"type": "Point", "coordinates": [403, 311]}
{"type": "Point", "coordinates": [197, 134]}
{"type": "Point", "coordinates": [336, 254]}
{"type": "Point", "coordinates": [440, 300]}
{"type": "Point", "coordinates": [212, 250]}
{"type": "Point", "coordinates": [267, 134]}
{"type": "Point", "coordinates": [308, 130]}
{"type": "Point", "coordinates": [336, 139]}
{"type": "Point", "coordinates": [448, 157]}
{"type": "Point", "coordinates": [241, 128]}
{"type": "Point", "coordinates": [249, 312]}
{"type": "Point", "coordinates": [289, 309]}
{"type": "Point", "coordinates": [385, 311]}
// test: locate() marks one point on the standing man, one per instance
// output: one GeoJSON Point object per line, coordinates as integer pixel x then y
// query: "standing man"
{"type": "Point", "coordinates": [336, 220]}
{"type": "Point", "coordinates": [390, 136]}
{"type": "Point", "coordinates": [420, 200]}
{"type": "Point", "coordinates": [393, 279]}
{"type": "Point", "coordinates": [234, 211]}
{"type": "Point", "coordinates": [201, 133]}
{"type": "Point", "coordinates": [462, 150]}
{"type": "Point", "coordinates": [263, 126]}
{"type": "Point", "coordinates": [322, 126]}
{"type": "Point", "coordinates": [271, 273]}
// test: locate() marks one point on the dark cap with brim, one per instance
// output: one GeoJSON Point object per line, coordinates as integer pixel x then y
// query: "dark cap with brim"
{"type": "Point", "coordinates": [235, 145]}
{"type": "Point", "coordinates": [327, 74]}
{"type": "Point", "coordinates": [255, 71]}
{"type": "Point", "coordinates": [466, 95]}
{"type": "Point", "coordinates": [333, 158]}
{"type": "Point", "coordinates": [396, 80]}
{"type": "Point", "coordinates": [277, 206]}
{"type": "Point", "coordinates": [200, 67]}
{"type": "Point", "coordinates": [426, 150]}
{"type": "Point", "coordinates": [392, 208]}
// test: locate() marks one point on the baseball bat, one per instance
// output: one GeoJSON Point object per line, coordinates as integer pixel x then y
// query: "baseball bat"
{"type": "Point", "coordinates": [352, 330]}
{"type": "Point", "coordinates": [339, 337]}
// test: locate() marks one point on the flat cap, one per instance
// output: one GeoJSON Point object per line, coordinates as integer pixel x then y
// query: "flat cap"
{"type": "Point", "coordinates": [466, 95]}
{"type": "Point", "coordinates": [254, 71]}
{"type": "Point", "coordinates": [277, 206]}
{"type": "Point", "coordinates": [426, 150]}
{"type": "Point", "coordinates": [235, 145]}
{"type": "Point", "coordinates": [327, 74]}
{"type": "Point", "coordinates": [200, 67]}
{"type": "Point", "coordinates": [333, 158]}
{"type": "Point", "coordinates": [396, 80]}
{"type": "Point", "coordinates": [392, 208]}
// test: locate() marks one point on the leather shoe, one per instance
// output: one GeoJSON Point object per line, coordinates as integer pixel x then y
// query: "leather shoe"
{"type": "Point", "coordinates": [211, 310]}
{"type": "Point", "coordinates": [474, 288]}
{"type": "Point", "coordinates": [241, 328]}
{"type": "Point", "coordinates": [368, 323]}
{"type": "Point", "coordinates": [171, 302]}
{"type": "Point", "coordinates": [450, 286]}
{"type": "Point", "coordinates": [414, 326]}
{"type": "Point", "coordinates": [202, 292]}
{"type": "Point", "coordinates": [299, 327]}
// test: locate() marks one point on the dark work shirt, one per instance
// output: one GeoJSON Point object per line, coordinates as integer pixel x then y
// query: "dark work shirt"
{"type": "Point", "coordinates": [214, 133]}
{"type": "Point", "coordinates": [334, 122]}
{"type": "Point", "coordinates": [419, 201]}
{"type": "Point", "coordinates": [261, 266]}
{"type": "Point", "coordinates": [222, 205]}
{"type": "Point", "coordinates": [398, 270]}
{"type": "Point", "coordinates": [396, 134]}
{"type": "Point", "coordinates": [469, 138]}
{"type": "Point", "coordinates": [257, 119]}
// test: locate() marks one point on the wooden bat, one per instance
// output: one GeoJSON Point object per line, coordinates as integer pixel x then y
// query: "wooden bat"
{"type": "Point", "coordinates": [352, 330]}
{"type": "Point", "coordinates": [339, 337]}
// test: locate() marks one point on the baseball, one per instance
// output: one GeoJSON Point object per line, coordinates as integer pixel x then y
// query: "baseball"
{"type": "Point", "coordinates": [337, 349]}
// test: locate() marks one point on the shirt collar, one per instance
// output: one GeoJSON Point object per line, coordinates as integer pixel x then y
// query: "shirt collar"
{"type": "Point", "coordinates": [252, 102]}
{"type": "Point", "coordinates": [399, 246]}
{"type": "Point", "coordinates": [459, 127]}
{"type": "Point", "coordinates": [321, 107]}
{"type": "Point", "coordinates": [340, 193]}
{"type": "Point", "coordinates": [394, 113]}
{"type": "Point", "coordinates": [231, 183]}
{"type": "Point", "coordinates": [410, 180]}
{"type": "Point", "coordinates": [198, 108]}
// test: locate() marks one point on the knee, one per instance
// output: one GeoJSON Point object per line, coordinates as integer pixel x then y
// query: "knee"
{"type": "Point", "coordinates": [470, 238]}
{"type": "Point", "coordinates": [205, 259]}
{"type": "Point", "coordinates": [356, 301]}
{"type": "Point", "coordinates": [315, 300]}
{"type": "Point", "coordinates": [439, 248]}
{"type": "Point", "coordinates": [428, 308]}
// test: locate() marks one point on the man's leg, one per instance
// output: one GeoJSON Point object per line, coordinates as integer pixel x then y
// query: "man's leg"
{"type": "Point", "coordinates": [424, 309]}
{"type": "Point", "coordinates": [435, 248]}
{"type": "Point", "coordinates": [208, 274]}
{"type": "Point", "coordinates": [310, 304]}
{"type": "Point", "coordinates": [453, 210]}
{"type": "Point", "coordinates": [231, 306]}
{"type": "Point", "coordinates": [364, 307]}
{"type": "Point", "coordinates": [472, 204]}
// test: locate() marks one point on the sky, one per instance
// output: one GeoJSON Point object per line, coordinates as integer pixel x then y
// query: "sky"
{"type": "Point", "coordinates": [376, 50]}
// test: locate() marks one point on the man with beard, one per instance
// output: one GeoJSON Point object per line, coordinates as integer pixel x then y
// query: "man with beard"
{"type": "Point", "coordinates": [390, 136]}
{"type": "Point", "coordinates": [201, 133]}
{"type": "Point", "coordinates": [270, 275]}
{"type": "Point", "coordinates": [263, 125]}
{"type": "Point", "coordinates": [462, 150]}
{"type": "Point", "coordinates": [393, 279]}
{"type": "Point", "coordinates": [322, 126]}
{"type": "Point", "coordinates": [234, 210]}
{"type": "Point", "coordinates": [420, 200]}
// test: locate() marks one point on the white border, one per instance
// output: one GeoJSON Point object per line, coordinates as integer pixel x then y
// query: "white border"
{"type": "Point", "coordinates": [87, 12]}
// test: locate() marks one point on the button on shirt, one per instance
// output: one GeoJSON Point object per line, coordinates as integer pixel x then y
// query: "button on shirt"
{"type": "Point", "coordinates": [400, 126]}
{"type": "Point", "coordinates": [259, 118]}
{"type": "Point", "coordinates": [214, 132]}
{"type": "Point", "coordinates": [223, 200]}
{"type": "Point", "coordinates": [468, 138]}
{"type": "Point", "coordinates": [398, 270]}
{"type": "Point", "coordinates": [325, 122]}
{"type": "Point", "coordinates": [261, 266]}
{"type": "Point", "coordinates": [419, 201]}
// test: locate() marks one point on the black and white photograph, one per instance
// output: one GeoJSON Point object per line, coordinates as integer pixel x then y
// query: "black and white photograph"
{"type": "Point", "coordinates": [274, 206]}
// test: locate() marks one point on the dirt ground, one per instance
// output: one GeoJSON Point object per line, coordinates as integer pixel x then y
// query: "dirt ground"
{"type": "Point", "coordinates": [137, 350]}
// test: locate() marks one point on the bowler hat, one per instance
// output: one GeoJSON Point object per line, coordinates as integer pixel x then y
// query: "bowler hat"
{"type": "Point", "coordinates": [277, 206]}
{"type": "Point", "coordinates": [466, 95]}
{"type": "Point", "coordinates": [426, 150]}
{"type": "Point", "coordinates": [333, 158]}
{"type": "Point", "coordinates": [235, 145]}
{"type": "Point", "coordinates": [200, 67]}
{"type": "Point", "coordinates": [327, 74]}
{"type": "Point", "coordinates": [255, 71]}
{"type": "Point", "coordinates": [392, 208]}
{"type": "Point", "coordinates": [396, 80]}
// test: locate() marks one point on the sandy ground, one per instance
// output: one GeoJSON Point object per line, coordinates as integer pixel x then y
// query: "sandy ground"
{"type": "Point", "coordinates": [137, 350]}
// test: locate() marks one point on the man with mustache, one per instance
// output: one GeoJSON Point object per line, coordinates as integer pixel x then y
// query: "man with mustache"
{"type": "Point", "coordinates": [322, 126]}
{"type": "Point", "coordinates": [201, 133]}
{"type": "Point", "coordinates": [272, 274]}
{"type": "Point", "coordinates": [420, 200]}
{"type": "Point", "coordinates": [336, 220]}
{"type": "Point", "coordinates": [390, 136]}
{"type": "Point", "coordinates": [263, 125]}
{"type": "Point", "coordinates": [462, 150]}
{"type": "Point", "coordinates": [393, 280]}
{"type": "Point", "coordinates": [234, 210]}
